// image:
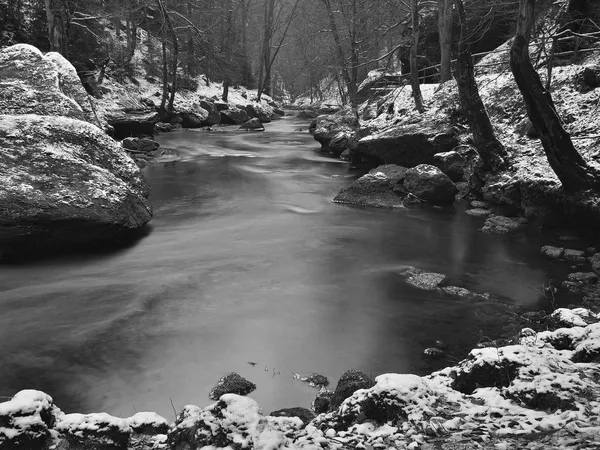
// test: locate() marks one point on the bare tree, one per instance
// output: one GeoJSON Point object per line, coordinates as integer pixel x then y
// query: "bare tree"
{"type": "Point", "coordinates": [570, 168]}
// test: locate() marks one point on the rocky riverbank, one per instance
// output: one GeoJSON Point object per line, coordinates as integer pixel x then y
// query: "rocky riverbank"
{"type": "Point", "coordinates": [387, 131]}
{"type": "Point", "coordinates": [541, 391]}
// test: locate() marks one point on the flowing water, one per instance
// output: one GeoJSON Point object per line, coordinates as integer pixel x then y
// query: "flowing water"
{"type": "Point", "coordinates": [248, 260]}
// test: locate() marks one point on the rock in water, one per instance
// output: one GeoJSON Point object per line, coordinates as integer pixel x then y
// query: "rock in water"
{"type": "Point", "coordinates": [232, 383]}
{"type": "Point", "coordinates": [194, 116]}
{"type": "Point", "coordinates": [253, 124]}
{"type": "Point", "coordinates": [64, 183]}
{"type": "Point", "coordinates": [350, 382]}
{"type": "Point", "coordinates": [430, 184]}
{"type": "Point", "coordinates": [233, 116]}
{"type": "Point", "coordinates": [375, 190]}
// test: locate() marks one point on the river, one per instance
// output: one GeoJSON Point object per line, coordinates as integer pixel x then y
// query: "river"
{"type": "Point", "coordinates": [248, 260]}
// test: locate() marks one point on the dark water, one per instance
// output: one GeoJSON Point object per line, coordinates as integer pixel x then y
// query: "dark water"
{"type": "Point", "coordinates": [249, 260]}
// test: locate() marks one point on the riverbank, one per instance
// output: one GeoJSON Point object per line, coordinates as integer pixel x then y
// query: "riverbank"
{"type": "Point", "coordinates": [389, 131]}
{"type": "Point", "coordinates": [541, 391]}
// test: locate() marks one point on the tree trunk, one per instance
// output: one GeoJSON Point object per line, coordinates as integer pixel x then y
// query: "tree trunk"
{"type": "Point", "coordinates": [414, 68]}
{"type": "Point", "coordinates": [165, 70]}
{"type": "Point", "coordinates": [58, 17]}
{"type": "Point", "coordinates": [228, 45]}
{"type": "Point", "coordinates": [570, 168]}
{"type": "Point", "coordinates": [350, 86]}
{"type": "Point", "coordinates": [445, 32]}
{"type": "Point", "coordinates": [490, 150]}
{"type": "Point", "coordinates": [131, 40]}
{"type": "Point", "coordinates": [175, 55]}
{"type": "Point", "coordinates": [265, 83]}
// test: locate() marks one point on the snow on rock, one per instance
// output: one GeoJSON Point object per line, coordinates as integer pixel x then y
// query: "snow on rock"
{"type": "Point", "coordinates": [27, 419]}
{"type": "Point", "coordinates": [146, 422]}
{"type": "Point", "coordinates": [233, 421]}
{"type": "Point", "coordinates": [99, 429]}
{"type": "Point", "coordinates": [33, 83]}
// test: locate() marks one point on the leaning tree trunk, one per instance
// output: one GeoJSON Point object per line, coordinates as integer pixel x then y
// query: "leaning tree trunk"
{"type": "Point", "coordinates": [414, 68]}
{"type": "Point", "coordinates": [445, 32]}
{"type": "Point", "coordinates": [490, 150]}
{"type": "Point", "coordinates": [58, 17]}
{"type": "Point", "coordinates": [570, 168]}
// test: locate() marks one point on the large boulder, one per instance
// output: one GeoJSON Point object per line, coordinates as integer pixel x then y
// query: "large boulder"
{"type": "Point", "coordinates": [335, 131]}
{"type": "Point", "coordinates": [193, 116]}
{"type": "Point", "coordinates": [260, 112]}
{"type": "Point", "coordinates": [64, 183]}
{"type": "Point", "coordinates": [409, 145]}
{"type": "Point", "coordinates": [430, 184]}
{"type": "Point", "coordinates": [48, 85]}
{"type": "Point", "coordinates": [233, 116]}
{"type": "Point", "coordinates": [214, 115]}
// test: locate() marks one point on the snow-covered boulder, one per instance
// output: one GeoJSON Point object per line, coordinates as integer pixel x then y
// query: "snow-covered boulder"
{"type": "Point", "coordinates": [26, 420]}
{"type": "Point", "coordinates": [409, 145]}
{"type": "Point", "coordinates": [33, 83]}
{"type": "Point", "coordinates": [147, 422]}
{"type": "Point", "coordinates": [94, 430]}
{"type": "Point", "coordinates": [232, 422]}
{"type": "Point", "coordinates": [430, 184]}
{"type": "Point", "coordinates": [335, 131]}
{"type": "Point", "coordinates": [64, 183]}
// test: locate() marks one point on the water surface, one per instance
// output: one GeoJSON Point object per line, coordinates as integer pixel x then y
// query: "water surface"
{"type": "Point", "coordinates": [248, 260]}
